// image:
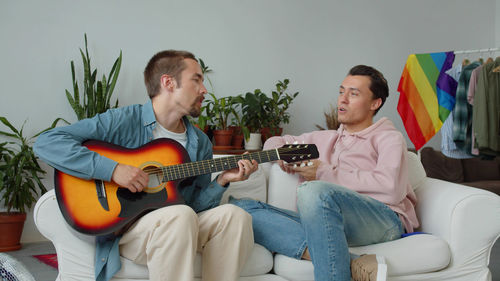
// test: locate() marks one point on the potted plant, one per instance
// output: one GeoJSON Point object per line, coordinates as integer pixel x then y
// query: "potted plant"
{"type": "Point", "coordinates": [20, 183]}
{"type": "Point", "coordinates": [236, 126]}
{"type": "Point", "coordinates": [220, 109]}
{"type": "Point", "coordinates": [254, 113]}
{"type": "Point", "coordinates": [277, 110]}
{"type": "Point", "coordinates": [97, 94]}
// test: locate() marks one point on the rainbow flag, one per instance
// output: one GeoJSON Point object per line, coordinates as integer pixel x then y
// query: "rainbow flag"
{"type": "Point", "coordinates": [419, 105]}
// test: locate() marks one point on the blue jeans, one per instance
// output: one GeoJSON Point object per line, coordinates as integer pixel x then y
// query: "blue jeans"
{"type": "Point", "coordinates": [330, 218]}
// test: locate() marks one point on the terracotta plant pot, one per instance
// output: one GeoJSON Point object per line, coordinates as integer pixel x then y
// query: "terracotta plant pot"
{"type": "Point", "coordinates": [237, 141]}
{"type": "Point", "coordinates": [11, 228]}
{"type": "Point", "coordinates": [223, 137]}
{"type": "Point", "coordinates": [269, 132]}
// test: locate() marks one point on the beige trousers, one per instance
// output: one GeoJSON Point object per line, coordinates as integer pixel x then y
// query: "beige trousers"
{"type": "Point", "coordinates": [166, 241]}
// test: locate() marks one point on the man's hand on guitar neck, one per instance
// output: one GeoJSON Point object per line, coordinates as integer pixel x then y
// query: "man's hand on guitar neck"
{"type": "Point", "coordinates": [306, 169]}
{"type": "Point", "coordinates": [133, 178]}
{"type": "Point", "coordinates": [244, 170]}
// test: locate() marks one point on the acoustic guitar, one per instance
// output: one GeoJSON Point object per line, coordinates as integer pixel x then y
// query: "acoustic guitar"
{"type": "Point", "coordinates": [98, 207]}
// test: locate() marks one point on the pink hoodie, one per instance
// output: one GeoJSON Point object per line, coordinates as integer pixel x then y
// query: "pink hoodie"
{"type": "Point", "coordinates": [372, 162]}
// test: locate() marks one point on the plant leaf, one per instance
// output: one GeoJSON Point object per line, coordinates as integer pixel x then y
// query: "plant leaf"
{"type": "Point", "coordinates": [11, 127]}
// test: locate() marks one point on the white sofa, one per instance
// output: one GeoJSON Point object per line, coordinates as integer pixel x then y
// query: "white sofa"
{"type": "Point", "coordinates": [462, 225]}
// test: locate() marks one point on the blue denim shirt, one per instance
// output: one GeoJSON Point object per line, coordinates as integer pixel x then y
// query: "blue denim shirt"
{"type": "Point", "coordinates": [130, 127]}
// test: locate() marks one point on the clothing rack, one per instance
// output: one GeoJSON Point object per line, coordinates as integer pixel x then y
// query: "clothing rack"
{"type": "Point", "coordinates": [477, 51]}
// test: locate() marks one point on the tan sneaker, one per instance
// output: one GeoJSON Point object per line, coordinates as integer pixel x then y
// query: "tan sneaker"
{"type": "Point", "coordinates": [369, 268]}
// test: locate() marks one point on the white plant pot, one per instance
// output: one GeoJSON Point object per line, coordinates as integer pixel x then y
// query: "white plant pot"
{"type": "Point", "coordinates": [253, 142]}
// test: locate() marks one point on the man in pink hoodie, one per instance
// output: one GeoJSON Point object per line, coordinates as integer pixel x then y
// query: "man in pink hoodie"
{"type": "Point", "coordinates": [357, 193]}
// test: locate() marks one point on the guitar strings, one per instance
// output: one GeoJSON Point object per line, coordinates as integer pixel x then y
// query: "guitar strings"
{"type": "Point", "coordinates": [152, 170]}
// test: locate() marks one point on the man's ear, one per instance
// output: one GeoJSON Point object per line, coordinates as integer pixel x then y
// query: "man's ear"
{"type": "Point", "coordinates": [376, 103]}
{"type": "Point", "coordinates": [167, 82]}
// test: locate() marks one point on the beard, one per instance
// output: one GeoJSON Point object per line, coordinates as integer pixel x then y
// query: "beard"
{"type": "Point", "coordinates": [194, 112]}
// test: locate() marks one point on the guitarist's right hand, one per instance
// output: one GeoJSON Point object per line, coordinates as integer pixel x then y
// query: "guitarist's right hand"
{"type": "Point", "coordinates": [133, 178]}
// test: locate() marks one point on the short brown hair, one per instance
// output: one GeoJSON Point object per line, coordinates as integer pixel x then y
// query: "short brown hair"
{"type": "Point", "coordinates": [170, 62]}
{"type": "Point", "coordinates": [378, 84]}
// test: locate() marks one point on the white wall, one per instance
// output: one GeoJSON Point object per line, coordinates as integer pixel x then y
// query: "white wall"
{"type": "Point", "coordinates": [497, 23]}
{"type": "Point", "coordinates": [249, 44]}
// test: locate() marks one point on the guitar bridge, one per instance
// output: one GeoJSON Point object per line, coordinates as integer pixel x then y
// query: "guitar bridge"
{"type": "Point", "coordinates": [101, 194]}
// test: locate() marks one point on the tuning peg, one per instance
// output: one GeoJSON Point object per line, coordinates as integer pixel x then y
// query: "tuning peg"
{"type": "Point", "coordinates": [295, 142]}
{"type": "Point", "coordinates": [310, 163]}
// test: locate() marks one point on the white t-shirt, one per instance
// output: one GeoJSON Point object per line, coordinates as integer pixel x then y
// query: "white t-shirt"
{"type": "Point", "coordinates": [160, 132]}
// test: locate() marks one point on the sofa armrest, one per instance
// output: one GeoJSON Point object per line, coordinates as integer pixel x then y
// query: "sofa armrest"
{"type": "Point", "coordinates": [466, 217]}
{"type": "Point", "coordinates": [75, 251]}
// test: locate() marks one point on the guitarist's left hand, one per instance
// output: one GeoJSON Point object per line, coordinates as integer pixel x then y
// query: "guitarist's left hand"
{"type": "Point", "coordinates": [244, 170]}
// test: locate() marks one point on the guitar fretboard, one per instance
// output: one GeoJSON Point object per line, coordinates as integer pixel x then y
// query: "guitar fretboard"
{"type": "Point", "coordinates": [203, 167]}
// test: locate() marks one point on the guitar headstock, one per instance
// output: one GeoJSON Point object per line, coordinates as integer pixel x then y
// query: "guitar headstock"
{"type": "Point", "coordinates": [298, 152]}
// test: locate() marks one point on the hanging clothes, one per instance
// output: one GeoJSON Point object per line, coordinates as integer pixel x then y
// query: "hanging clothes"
{"type": "Point", "coordinates": [486, 110]}
{"type": "Point", "coordinates": [462, 113]}
{"type": "Point", "coordinates": [448, 146]}
{"type": "Point", "coordinates": [470, 99]}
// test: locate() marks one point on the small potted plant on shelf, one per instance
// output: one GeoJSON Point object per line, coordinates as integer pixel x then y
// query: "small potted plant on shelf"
{"type": "Point", "coordinates": [254, 113]}
{"type": "Point", "coordinates": [20, 183]}
{"type": "Point", "coordinates": [277, 110]}
{"type": "Point", "coordinates": [236, 125]}
{"type": "Point", "coordinates": [220, 109]}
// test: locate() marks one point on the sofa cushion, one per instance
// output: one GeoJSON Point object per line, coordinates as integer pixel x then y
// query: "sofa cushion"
{"type": "Point", "coordinates": [293, 269]}
{"type": "Point", "coordinates": [283, 189]}
{"type": "Point", "coordinates": [477, 169]}
{"type": "Point", "coordinates": [416, 172]}
{"type": "Point", "coordinates": [255, 187]}
{"type": "Point", "coordinates": [438, 166]}
{"type": "Point", "coordinates": [415, 254]}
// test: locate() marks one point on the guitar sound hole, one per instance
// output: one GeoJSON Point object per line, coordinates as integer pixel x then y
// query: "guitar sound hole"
{"type": "Point", "coordinates": [155, 173]}
{"type": "Point", "coordinates": [155, 178]}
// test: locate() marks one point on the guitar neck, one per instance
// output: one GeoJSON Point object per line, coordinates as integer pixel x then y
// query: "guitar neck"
{"type": "Point", "coordinates": [191, 169]}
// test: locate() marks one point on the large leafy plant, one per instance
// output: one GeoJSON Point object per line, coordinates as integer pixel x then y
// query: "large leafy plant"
{"type": "Point", "coordinates": [261, 111]}
{"type": "Point", "coordinates": [220, 109]}
{"type": "Point", "coordinates": [278, 105]}
{"type": "Point", "coordinates": [20, 173]}
{"type": "Point", "coordinates": [253, 111]}
{"type": "Point", "coordinates": [96, 93]}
